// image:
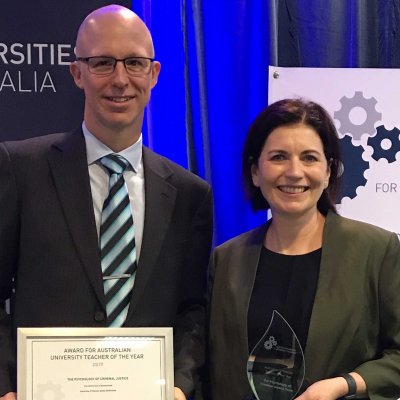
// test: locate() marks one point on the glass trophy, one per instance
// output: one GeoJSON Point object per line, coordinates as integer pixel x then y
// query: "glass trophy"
{"type": "Point", "coordinates": [276, 367]}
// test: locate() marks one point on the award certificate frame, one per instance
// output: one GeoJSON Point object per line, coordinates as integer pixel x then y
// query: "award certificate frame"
{"type": "Point", "coordinates": [95, 363]}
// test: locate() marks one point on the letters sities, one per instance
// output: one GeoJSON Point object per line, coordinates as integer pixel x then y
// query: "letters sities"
{"type": "Point", "coordinates": [31, 59]}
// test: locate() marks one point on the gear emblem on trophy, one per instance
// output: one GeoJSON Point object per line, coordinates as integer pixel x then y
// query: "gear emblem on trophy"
{"type": "Point", "coordinates": [348, 127]}
{"type": "Point", "coordinates": [386, 144]}
{"type": "Point", "coordinates": [49, 391]}
{"type": "Point", "coordinates": [271, 342]}
{"type": "Point", "coordinates": [354, 167]}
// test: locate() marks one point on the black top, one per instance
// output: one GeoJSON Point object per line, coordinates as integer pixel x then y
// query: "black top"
{"type": "Point", "coordinates": [287, 284]}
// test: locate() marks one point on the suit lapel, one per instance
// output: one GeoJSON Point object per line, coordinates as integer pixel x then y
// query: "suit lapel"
{"type": "Point", "coordinates": [68, 165]}
{"type": "Point", "coordinates": [160, 198]}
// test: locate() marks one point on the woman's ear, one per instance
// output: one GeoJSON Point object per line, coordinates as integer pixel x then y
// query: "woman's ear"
{"type": "Point", "coordinates": [254, 175]}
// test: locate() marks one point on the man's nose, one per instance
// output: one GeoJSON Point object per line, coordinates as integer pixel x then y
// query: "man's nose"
{"type": "Point", "coordinates": [120, 75]}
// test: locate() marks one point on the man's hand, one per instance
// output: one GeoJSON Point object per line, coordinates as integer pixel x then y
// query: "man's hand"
{"type": "Point", "coordinates": [178, 394]}
{"type": "Point", "coordinates": [9, 396]}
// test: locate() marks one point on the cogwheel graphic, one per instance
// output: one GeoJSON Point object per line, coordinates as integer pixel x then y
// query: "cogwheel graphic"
{"type": "Point", "coordinates": [347, 127]}
{"type": "Point", "coordinates": [49, 391]}
{"type": "Point", "coordinates": [354, 168]}
{"type": "Point", "coordinates": [376, 143]}
{"type": "Point", "coordinates": [268, 345]}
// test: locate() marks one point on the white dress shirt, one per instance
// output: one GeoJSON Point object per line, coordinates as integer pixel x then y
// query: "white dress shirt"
{"type": "Point", "coordinates": [133, 175]}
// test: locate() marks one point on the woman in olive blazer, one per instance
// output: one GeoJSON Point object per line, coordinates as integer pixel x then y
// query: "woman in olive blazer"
{"type": "Point", "coordinates": [356, 309]}
{"type": "Point", "coordinates": [344, 291]}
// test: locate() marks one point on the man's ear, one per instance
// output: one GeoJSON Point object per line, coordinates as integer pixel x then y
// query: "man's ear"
{"type": "Point", "coordinates": [76, 74]}
{"type": "Point", "coordinates": [155, 71]}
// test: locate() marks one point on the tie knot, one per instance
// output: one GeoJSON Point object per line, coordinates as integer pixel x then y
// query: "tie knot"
{"type": "Point", "coordinates": [114, 163]}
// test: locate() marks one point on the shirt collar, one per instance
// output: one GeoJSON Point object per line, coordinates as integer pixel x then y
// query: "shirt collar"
{"type": "Point", "coordinates": [95, 149]}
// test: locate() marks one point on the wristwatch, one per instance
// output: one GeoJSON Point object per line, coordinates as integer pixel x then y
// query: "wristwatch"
{"type": "Point", "coordinates": [351, 383]}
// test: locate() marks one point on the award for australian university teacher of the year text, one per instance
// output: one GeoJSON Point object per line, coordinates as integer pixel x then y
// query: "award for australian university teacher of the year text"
{"type": "Point", "coordinates": [95, 363]}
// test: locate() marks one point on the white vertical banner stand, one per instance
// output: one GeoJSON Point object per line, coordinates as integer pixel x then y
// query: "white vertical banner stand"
{"type": "Point", "coordinates": [365, 106]}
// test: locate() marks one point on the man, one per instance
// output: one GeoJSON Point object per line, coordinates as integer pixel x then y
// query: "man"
{"type": "Point", "coordinates": [51, 201]}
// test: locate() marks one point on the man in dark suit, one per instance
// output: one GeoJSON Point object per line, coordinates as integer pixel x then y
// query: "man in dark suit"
{"type": "Point", "coordinates": [52, 190]}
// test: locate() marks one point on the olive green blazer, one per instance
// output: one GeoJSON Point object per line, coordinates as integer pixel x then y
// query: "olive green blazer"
{"type": "Point", "coordinates": [355, 321]}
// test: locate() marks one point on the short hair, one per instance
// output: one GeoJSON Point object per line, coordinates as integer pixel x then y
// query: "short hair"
{"type": "Point", "coordinates": [290, 112]}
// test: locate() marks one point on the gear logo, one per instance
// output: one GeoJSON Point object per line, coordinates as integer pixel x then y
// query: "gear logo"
{"type": "Point", "coordinates": [270, 343]}
{"type": "Point", "coordinates": [354, 167]}
{"type": "Point", "coordinates": [386, 144]}
{"type": "Point", "coordinates": [49, 391]}
{"type": "Point", "coordinates": [347, 126]}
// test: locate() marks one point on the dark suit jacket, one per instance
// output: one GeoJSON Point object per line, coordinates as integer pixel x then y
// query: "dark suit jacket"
{"type": "Point", "coordinates": [49, 248]}
{"type": "Point", "coordinates": [355, 322]}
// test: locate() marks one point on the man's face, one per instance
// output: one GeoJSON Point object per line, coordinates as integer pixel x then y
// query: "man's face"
{"type": "Point", "coordinates": [114, 103]}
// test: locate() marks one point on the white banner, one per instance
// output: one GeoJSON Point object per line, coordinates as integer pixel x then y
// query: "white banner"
{"type": "Point", "coordinates": [365, 106]}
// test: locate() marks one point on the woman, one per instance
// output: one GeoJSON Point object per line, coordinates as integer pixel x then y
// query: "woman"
{"type": "Point", "coordinates": [335, 281]}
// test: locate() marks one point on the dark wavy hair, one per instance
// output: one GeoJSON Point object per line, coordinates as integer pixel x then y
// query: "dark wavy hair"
{"type": "Point", "coordinates": [291, 112]}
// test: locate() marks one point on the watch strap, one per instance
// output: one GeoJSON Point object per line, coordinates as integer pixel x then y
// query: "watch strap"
{"type": "Point", "coordinates": [351, 383]}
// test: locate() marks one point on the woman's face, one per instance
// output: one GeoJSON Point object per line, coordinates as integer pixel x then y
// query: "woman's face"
{"type": "Point", "coordinates": [292, 170]}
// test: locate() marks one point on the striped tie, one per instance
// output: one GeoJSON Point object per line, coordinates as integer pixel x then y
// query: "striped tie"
{"type": "Point", "coordinates": [117, 243]}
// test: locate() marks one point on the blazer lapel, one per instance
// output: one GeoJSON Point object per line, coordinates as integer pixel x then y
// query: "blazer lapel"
{"type": "Point", "coordinates": [160, 198]}
{"type": "Point", "coordinates": [241, 279]}
{"type": "Point", "coordinates": [248, 260]}
{"type": "Point", "coordinates": [328, 337]}
{"type": "Point", "coordinates": [239, 268]}
{"type": "Point", "coordinates": [68, 165]}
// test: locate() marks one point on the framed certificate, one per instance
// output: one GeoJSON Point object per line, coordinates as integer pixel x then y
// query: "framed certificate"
{"type": "Point", "coordinates": [95, 363]}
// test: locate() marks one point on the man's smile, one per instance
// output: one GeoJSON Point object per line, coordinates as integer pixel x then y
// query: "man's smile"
{"type": "Point", "coordinates": [119, 99]}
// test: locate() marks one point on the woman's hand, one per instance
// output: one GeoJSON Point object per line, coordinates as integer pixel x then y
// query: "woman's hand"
{"type": "Point", "coordinates": [332, 389]}
{"type": "Point", "coordinates": [327, 389]}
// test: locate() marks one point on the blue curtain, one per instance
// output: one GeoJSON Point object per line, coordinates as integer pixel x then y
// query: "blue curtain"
{"type": "Point", "coordinates": [213, 82]}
